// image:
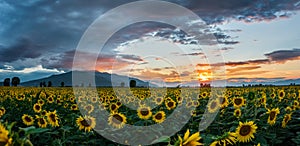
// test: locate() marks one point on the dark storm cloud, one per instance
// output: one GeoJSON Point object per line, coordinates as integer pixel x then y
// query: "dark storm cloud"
{"type": "Point", "coordinates": [216, 11]}
{"type": "Point", "coordinates": [284, 55]}
{"type": "Point", "coordinates": [23, 48]}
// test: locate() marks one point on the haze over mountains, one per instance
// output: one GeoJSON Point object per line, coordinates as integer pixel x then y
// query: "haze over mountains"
{"type": "Point", "coordinates": [101, 79]}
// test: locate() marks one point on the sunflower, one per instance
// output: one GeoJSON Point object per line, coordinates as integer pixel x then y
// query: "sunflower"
{"type": "Point", "coordinates": [196, 103]}
{"type": "Point", "coordinates": [117, 120]}
{"type": "Point", "coordinates": [44, 113]}
{"type": "Point", "coordinates": [37, 108]}
{"type": "Point", "coordinates": [41, 101]}
{"type": "Point", "coordinates": [50, 99]}
{"type": "Point", "coordinates": [170, 104]}
{"type": "Point", "coordinates": [52, 118]}
{"type": "Point", "coordinates": [204, 94]}
{"type": "Point", "coordinates": [213, 105]}
{"type": "Point", "coordinates": [20, 97]}
{"type": "Point", "coordinates": [281, 94]}
{"type": "Point", "coordinates": [179, 99]}
{"type": "Point", "coordinates": [237, 113]}
{"type": "Point", "coordinates": [144, 112]}
{"type": "Point", "coordinates": [273, 95]}
{"type": "Point", "coordinates": [4, 139]}
{"type": "Point", "coordinates": [238, 102]}
{"type": "Point", "coordinates": [272, 115]}
{"type": "Point", "coordinates": [87, 123]}
{"type": "Point", "coordinates": [263, 100]}
{"type": "Point", "coordinates": [89, 108]}
{"type": "Point", "coordinates": [2, 111]}
{"type": "Point", "coordinates": [286, 119]}
{"type": "Point", "coordinates": [41, 121]}
{"type": "Point", "coordinates": [159, 117]}
{"type": "Point", "coordinates": [223, 101]}
{"type": "Point", "coordinates": [245, 131]}
{"type": "Point", "coordinates": [113, 107]}
{"type": "Point", "coordinates": [27, 120]}
{"type": "Point", "coordinates": [74, 107]}
{"type": "Point", "coordinates": [296, 104]}
{"type": "Point", "coordinates": [228, 139]}
{"type": "Point", "coordinates": [288, 109]}
{"type": "Point", "coordinates": [94, 99]}
{"type": "Point", "coordinates": [188, 140]}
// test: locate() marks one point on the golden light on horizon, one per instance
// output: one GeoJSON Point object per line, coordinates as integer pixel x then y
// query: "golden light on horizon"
{"type": "Point", "coordinates": [203, 76]}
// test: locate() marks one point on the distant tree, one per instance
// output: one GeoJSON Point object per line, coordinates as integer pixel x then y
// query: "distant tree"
{"type": "Point", "coordinates": [49, 84]}
{"type": "Point", "coordinates": [6, 82]}
{"type": "Point", "coordinates": [82, 85]}
{"type": "Point", "coordinates": [90, 85]}
{"type": "Point", "coordinates": [44, 84]}
{"type": "Point", "coordinates": [62, 84]}
{"type": "Point", "coordinates": [41, 84]}
{"type": "Point", "coordinates": [122, 84]}
{"type": "Point", "coordinates": [132, 83]}
{"type": "Point", "coordinates": [15, 81]}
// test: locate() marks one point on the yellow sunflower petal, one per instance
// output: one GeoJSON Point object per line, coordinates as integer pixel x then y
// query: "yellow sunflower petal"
{"type": "Point", "coordinates": [186, 135]}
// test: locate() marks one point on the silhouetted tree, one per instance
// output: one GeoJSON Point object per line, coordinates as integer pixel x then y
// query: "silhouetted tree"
{"type": "Point", "coordinates": [15, 81]}
{"type": "Point", "coordinates": [62, 84]}
{"type": "Point", "coordinates": [132, 83]}
{"type": "Point", "coordinates": [49, 84]}
{"type": "Point", "coordinates": [44, 84]}
{"type": "Point", "coordinates": [6, 82]}
{"type": "Point", "coordinates": [41, 84]}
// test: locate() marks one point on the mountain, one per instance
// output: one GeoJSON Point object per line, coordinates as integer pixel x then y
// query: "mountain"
{"type": "Point", "coordinates": [86, 78]}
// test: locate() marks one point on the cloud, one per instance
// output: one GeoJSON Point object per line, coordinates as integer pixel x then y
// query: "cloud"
{"type": "Point", "coordinates": [27, 74]}
{"type": "Point", "coordinates": [241, 69]}
{"type": "Point", "coordinates": [282, 56]}
{"type": "Point", "coordinates": [20, 50]}
{"type": "Point", "coordinates": [215, 11]}
{"type": "Point", "coordinates": [43, 32]}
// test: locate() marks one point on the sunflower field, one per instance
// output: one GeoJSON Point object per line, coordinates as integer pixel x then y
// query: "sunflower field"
{"type": "Point", "coordinates": [64, 116]}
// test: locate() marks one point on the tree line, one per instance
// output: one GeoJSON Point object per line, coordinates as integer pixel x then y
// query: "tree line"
{"type": "Point", "coordinates": [15, 81]}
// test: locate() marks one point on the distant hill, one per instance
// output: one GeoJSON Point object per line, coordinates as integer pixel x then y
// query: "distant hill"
{"type": "Point", "coordinates": [101, 79]}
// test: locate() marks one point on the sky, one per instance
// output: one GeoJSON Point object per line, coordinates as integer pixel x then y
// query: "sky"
{"type": "Point", "coordinates": [257, 41]}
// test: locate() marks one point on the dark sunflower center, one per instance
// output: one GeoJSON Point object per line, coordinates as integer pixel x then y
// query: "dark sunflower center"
{"type": "Point", "coordinates": [213, 105]}
{"type": "Point", "coordinates": [238, 101]}
{"type": "Point", "coordinates": [281, 94]}
{"type": "Point", "coordinates": [42, 121]}
{"type": "Point", "coordinates": [37, 107]}
{"type": "Point", "coordinates": [85, 123]}
{"type": "Point", "coordinates": [237, 112]}
{"type": "Point", "coordinates": [245, 130]}
{"type": "Point", "coordinates": [27, 119]}
{"type": "Point", "coordinates": [88, 108]}
{"type": "Point", "coordinates": [222, 100]}
{"type": "Point", "coordinates": [158, 100]}
{"type": "Point", "coordinates": [52, 117]}
{"type": "Point", "coordinates": [113, 107]}
{"type": "Point", "coordinates": [144, 112]}
{"type": "Point", "coordinates": [170, 104]}
{"type": "Point", "coordinates": [50, 99]}
{"type": "Point", "coordinates": [117, 119]}
{"type": "Point", "coordinates": [179, 98]}
{"type": "Point", "coordinates": [73, 106]}
{"type": "Point", "coordinates": [158, 116]}
{"type": "Point", "coordinates": [272, 116]}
